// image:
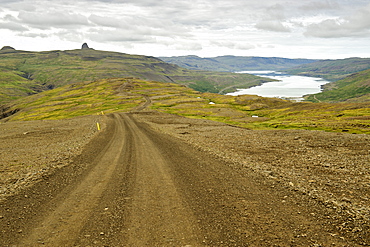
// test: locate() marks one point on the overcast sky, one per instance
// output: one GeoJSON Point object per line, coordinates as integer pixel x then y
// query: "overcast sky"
{"type": "Point", "coordinates": [207, 28]}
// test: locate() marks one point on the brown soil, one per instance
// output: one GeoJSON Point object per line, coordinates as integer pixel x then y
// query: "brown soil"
{"type": "Point", "coordinates": [152, 179]}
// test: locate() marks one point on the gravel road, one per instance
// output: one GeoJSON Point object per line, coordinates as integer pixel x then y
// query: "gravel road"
{"type": "Point", "coordinates": [153, 179]}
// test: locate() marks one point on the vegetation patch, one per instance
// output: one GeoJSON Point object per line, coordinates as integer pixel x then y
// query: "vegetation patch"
{"type": "Point", "coordinates": [332, 70]}
{"type": "Point", "coordinates": [248, 111]}
{"type": "Point", "coordinates": [355, 88]}
{"type": "Point", "coordinates": [33, 72]}
{"type": "Point", "coordinates": [76, 100]}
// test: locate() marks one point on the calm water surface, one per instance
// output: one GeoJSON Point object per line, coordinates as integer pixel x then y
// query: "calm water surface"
{"type": "Point", "coordinates": [288, 86]}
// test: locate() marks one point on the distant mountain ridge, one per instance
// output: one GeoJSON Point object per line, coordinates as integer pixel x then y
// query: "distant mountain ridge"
{"type": "Point", "coordinates": [353, 88]}
{"type": "Point", "coordinates": [350, 77]}
{"type": "Point", "coordinates": [24, 73]}
{"type": "Point", "coordinates": [332, 70]}
{"type": "Point", "coordinates": [235, 63]}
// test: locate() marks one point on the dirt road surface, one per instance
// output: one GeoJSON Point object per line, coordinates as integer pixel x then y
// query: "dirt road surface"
{"type": "Point", "coordinates": [140, 182]}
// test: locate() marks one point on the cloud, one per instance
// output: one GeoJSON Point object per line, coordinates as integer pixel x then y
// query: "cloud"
{"type": "Point", "coordinates": [233, 45]}
{"type": "Point", "coordinates": [10, 22]}
{"type": "Point", "coordinates": [49, 19]}
{"type": "Point", "coordinates": [320, 6]}
{"type": "Point", "coordinates": [21, 5]}
{"type": "Point", "coordinates": [13, 26]}
{"type": "Point", "coordinates": [107, 21]}
{"type": "Point", "coordinates": [355, 25]}
{"type": "Point", "coordinates": [188, 46]}
{"type": "Point", "coordinates": [273, 19]}
{"type": "Point", "coordinates": [141, 25]}
{"type": "Point", "coordinates": [274, 26]}
{"type": "Point", "coordinates": [118, 35]}
{"type": "Point", "coordinates": [199, 26]}
{"type": "Point", "coordinates": [35, 35]}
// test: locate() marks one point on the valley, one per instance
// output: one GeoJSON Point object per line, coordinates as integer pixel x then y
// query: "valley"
{"type": "Point", "coordinates": [349, 78]}
{"type": "Point", "coordinates": [110, 149]}
{"type": "Point", "coordinates": [24, 73]}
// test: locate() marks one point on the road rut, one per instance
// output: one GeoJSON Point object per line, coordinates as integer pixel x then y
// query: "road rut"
{"type": "Point", "coordinates": [137, 187]}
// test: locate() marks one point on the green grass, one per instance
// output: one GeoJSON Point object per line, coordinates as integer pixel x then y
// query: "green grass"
{"type": "Point", "coordinates": [235, 63]}
{"type": "Point", "coordinates": [125, 94]}
{"type": "Point", "coordinates": [355, 88]}
{"type": "Point", "coordinates": [76, 100]}
{"type": "Point", "coordinates": [332, 70]}
{"type": "Point", "coordinates": [57, 68]}
{"type": "Point", "coordinates": [272, 113]}
{"type": "Point", "coordinates": [13, 86]}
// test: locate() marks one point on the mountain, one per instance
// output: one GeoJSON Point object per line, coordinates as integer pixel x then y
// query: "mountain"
{"type": "Point", "coordinates": [332, 70]}
{"type": "Point", "coordinates": [197, 63]}
{"type": "Point", "coordinates": [353, 88]}
{"type": "Point", "coordinates": [235, 63]}
{"type": "Point", "coordinates": [24, 73]}
{"type": "Point", "coordinates": [261, 63]}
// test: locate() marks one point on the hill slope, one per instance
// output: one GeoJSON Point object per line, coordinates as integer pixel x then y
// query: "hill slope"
{"type": "Point", "coordinates": [332, 70]}
{"type": "Point", "coordinates": [235, 63]}
{"type": "Point", "coordinates": [353, 88]}
{"type": "Point", "coordinates": [249, 111]}
{"type": "Point", "coordinates": [23, 73]}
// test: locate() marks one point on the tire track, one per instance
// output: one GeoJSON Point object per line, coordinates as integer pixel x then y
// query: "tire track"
{"type": "Point", "coordinates": [145, 188]}
{"type": "Point", "coordinates": [141, 205]}
{"type": "Point", "coordinates": [61, 226]}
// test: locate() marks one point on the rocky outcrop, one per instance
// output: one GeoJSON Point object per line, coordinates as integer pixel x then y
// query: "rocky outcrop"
{"type": "Point", "coordinates": [85, 46]}
{"type": "Point", "coordinates": [7, 48]}
{"type": "Point", "coordinates": [6, 111]}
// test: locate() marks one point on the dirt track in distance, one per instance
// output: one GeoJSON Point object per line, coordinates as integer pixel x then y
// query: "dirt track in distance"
{"type": "Point", "coordinates": [148, 180]}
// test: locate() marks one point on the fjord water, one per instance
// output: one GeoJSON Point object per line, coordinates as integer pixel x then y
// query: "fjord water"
{"type": "Point", "coordinates": [287, 86]}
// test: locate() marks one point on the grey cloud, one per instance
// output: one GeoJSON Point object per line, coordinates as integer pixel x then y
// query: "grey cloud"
{"type": "Point", "coordinates": [13, 26]}
{"type": "Point", "coordinates": [149, 3]}
{"type": "Point", "coordinates": [141, 25]}
{"type": "Point", "coordinates": [70, 35]}
{"type": "Point", "coordinates": [320, 5]}
{"type": "Point", "coordinates": [276, 12]}
{"type": "Point", "coordinates": [233, 45]}
{"type": "Point", "coordinates": [273, 19]}
{"type": "Point", "coordinates": [126, 22]}
{"type": "Point", "coordinates": [11, 23]}
{"type": "Point", "coordinates": [186, 25]}
{"type": "Point", "coordinates": [188, 46]}
{"type": "Point", "coordinates": [105, 21]}
{"type": "Point", "coordinates": [34, 35]}
{"type": "Point", "coordinates": [47, 20]}
{"type": "Point", "coordinates": [9, 1]}
{"type": "Point", "coordinates": [117, 35]}
{"type": "Point", "coordinates": [22, 6]}
{"type": "Point", "coordinates": [355, 25]}
{"type": "Point", "coordinates": [9, 18]}
{"type": "Point", "coordinates": [274, 26]}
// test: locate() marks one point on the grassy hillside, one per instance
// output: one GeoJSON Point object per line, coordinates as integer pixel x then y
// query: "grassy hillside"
{"type": "Point", "coordinates": [261, 63]}
{"type": "Point", "coordinates": [197, 63]}
{"type": "Point", "coordinates": [13, 84]}
{"type": "Point", "coordinates": [84, 98]}
{"type": "Point", "coordinates": [354, 88]}
{"type": "Point", "coordinates": [249, 111]}
{"type": "Point", "coordinates": [23, 73]}
{"type": "Point", "coordinates": [332, 70]}
{"type": "Point", "coordinates": [235, 63]}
